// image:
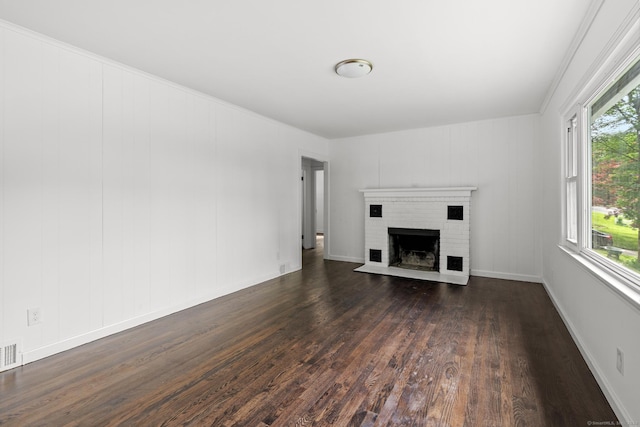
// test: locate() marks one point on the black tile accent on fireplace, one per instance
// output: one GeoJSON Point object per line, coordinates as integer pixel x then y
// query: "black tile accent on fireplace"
{"type": "Point", "coordinates": [375, 211]}
{"type": "Point", "coordinates": [375, 255]}
{"type": "Point", "coordinates": [454, 263]}
{"type": "Point", "coordinates": [455, 213]}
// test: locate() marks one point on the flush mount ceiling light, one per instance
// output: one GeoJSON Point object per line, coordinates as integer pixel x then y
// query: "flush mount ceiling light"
{"type": "Point", "coordinates": [353, 68]}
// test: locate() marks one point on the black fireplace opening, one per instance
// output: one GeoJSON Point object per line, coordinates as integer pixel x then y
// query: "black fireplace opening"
{"type": "Point", "coordinates": [415, 249]}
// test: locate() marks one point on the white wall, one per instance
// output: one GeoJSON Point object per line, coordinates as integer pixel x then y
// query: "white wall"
{"type": "Point", "coordinates": [125, 197]}
{"type": "Point", "coordinates": [494, 155]}
{"type": "Point", "coordinates": [319, 176]}
{"type": "Point", "coordinates": [309, 204]}
{"type": "Point", "coordinates": [599, 319]}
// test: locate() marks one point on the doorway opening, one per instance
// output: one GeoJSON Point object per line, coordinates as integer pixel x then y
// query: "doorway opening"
{"type": "Point", "coordinates": [314, 209]}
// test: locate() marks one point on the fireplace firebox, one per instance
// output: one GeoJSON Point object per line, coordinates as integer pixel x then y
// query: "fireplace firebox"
{"type": "Point", "coordinates": [414, 249]}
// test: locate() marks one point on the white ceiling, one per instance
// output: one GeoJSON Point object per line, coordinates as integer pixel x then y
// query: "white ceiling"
{"type": "Point", "coordinates": [435, 61]}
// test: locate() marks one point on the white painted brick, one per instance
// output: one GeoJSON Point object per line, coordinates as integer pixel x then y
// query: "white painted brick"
{"type": "Point", "coordinates": [428, 212]}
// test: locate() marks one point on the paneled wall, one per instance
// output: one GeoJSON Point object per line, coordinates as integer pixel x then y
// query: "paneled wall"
{"type": "Point", "coordinates": [125, 197]}
{"type": "Point", "coordinates": [497, 156]}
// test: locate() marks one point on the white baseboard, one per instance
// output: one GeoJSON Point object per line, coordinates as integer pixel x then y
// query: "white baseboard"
{"type": "Point", "coordinates": [506, 276]}
{"type": "Point", "coordinates": [623, 415]}
{"type": "Point", "coordinates": [68, 344]}
{"type": "Point", "coordinates": [345, 258]}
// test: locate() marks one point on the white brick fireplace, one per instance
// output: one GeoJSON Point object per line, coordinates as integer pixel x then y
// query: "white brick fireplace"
{"type": "Point", "coordinates": [437, 218]}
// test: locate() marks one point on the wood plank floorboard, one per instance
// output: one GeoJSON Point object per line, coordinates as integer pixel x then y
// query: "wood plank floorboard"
{"type": "Point", "coordinates": [325, 346]}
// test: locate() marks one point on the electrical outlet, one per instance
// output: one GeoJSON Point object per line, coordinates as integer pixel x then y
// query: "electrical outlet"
{"type": "Point", "coordinates": [620, 361]}
{"type": "Point", "coordinates": [34, 316]}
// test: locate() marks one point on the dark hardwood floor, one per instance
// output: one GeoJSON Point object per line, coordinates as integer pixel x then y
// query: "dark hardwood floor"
{"type": "Point", "coordinates": [325, 346]}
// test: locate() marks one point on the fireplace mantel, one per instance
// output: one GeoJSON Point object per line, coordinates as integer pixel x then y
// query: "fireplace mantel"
{"type": "Point", "coordinates": [446, 209]}
{"type": "Point", "coordinates": [419, 192]}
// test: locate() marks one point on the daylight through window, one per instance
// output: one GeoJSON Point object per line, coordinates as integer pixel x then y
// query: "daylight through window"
{"type": "Point", "coordinates": [614, 133]}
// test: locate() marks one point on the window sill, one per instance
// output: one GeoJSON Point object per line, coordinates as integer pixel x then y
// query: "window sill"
{"type": "Point", "coordinates": [615, 282]}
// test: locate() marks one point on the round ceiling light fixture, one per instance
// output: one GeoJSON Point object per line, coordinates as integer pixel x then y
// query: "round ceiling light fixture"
{"type": "Point", "coordinates": [353, 68]}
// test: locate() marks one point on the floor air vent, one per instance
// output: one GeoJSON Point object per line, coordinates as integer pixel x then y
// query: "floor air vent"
{"type": "Point", "coordinates": [9, 356]}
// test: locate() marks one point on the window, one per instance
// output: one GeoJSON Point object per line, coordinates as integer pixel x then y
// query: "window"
{"type": "Point", "coordinates": [614, 128]}
{"type": "Point", "coordinates": [602, 176]}
{"type": "Point", "coordinates": [571, 177]}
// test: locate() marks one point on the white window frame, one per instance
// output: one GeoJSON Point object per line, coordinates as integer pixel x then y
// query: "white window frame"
{"type": "Point", "coordinates": [621, 279]}
{"type": "Point", "coordinates": [571, 169]}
